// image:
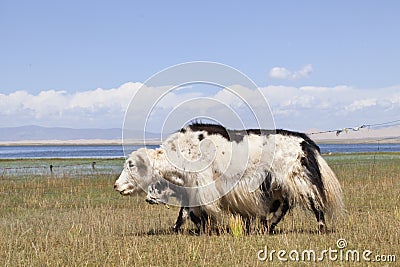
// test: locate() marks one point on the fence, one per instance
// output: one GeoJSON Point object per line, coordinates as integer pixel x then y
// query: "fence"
{"type": "Point", "coordinates": [43, 167]}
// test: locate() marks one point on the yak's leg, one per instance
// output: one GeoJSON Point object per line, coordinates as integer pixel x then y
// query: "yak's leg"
{"type": "Point", "coordinates": [197, 221]}
{"type": "Point", "coordinates": [201, 221]}
{"type": "Point", "coordinates": [248, 224]}
{"type": "Point", "coordinates": [319, 215]}
{"type": "Point", "coordinates": [264, 222]}
{"type": "Point", "coordinates": [206, 222]}
{"type": "Point", "coordinates": [182, 218]}
{"type": "Point", "coordinates": [279, 209]}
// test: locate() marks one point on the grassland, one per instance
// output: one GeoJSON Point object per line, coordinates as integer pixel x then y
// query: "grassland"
{"type": "Point", "coordinates": [72, 217]}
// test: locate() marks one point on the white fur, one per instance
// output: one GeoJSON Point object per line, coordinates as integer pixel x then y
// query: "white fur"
{"type": "Point", "coordinates": [139, 171]}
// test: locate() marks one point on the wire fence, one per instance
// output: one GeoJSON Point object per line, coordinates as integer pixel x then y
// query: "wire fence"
{"type": "Point", "coordinates": [359, 127]}
{"type": "Point", "coordinates": [11, 171]}
{"type": "Point", "coordinates": [52, 179]}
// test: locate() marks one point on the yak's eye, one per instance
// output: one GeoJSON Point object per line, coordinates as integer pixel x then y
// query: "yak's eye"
{"type": "Point", "coordinates": [130, 164]}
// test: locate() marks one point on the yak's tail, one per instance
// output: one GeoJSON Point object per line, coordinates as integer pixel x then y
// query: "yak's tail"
{"type": "Point", "coordinates": [333, 202]}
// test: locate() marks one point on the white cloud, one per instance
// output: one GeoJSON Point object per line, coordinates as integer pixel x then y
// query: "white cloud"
{"type": "Point", "coordinates": [331, 107]}
{"type": "Point", "coordinates": [46, 103]}
{"type": "Point", "coordinates": [298, 108]}
{"type": "Point", "coordinates": [361, 103]}
{"type": "Point", "coordinates": [280, 73]}
{"type": "Point", "coordinates": [116, 98]}
{"type": "Point", "coordinates": [93, 108]}
{"type": "Point", "coordinates": [285, 74]}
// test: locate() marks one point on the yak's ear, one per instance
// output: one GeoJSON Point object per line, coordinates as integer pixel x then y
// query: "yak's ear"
{"type": "Point", "coordinates": [174, 178]}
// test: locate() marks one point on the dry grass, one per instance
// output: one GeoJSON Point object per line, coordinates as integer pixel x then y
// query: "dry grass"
{"type": "Point", "coordinates": [78, 220]}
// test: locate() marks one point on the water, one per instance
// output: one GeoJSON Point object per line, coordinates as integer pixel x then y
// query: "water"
{"type": "Point", "coordinates": [65, 151]}
{"type": "Point", "coordinates": [116, 151]}
{"type": "Point", "coordinates": [359, 148]}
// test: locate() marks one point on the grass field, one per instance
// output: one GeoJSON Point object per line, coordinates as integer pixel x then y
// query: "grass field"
{"type": "Point", "coordinates": [72, 217]}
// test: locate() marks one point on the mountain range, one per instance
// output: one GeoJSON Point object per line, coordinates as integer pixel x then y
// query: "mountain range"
{"type": "Point", "coordinates": [34, 133]}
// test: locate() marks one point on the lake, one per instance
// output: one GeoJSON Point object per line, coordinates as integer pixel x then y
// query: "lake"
{"type": "Point", "coordinates": [359, 148]}
{"type": "Point", "coordinates": [116, 151]}
{"type": "Point", "coordinates": [65, 151]}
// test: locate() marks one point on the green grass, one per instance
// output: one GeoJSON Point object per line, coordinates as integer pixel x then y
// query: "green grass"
{"type": "Point", "coordinates": [75, 218]}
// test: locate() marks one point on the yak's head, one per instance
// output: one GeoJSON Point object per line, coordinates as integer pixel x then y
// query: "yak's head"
{"type": "Point", "coordinates": [161, 192]}
{"type": "Point", "coordinates": [137, 173]}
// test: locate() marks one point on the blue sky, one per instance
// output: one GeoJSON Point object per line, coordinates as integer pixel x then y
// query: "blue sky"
{"type": "Point", "coordinates": [63, 48]}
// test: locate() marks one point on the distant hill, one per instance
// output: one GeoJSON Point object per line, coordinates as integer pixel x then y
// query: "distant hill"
{"type": "Point", "coordinates": [390, 134]}
{"type": "Point", "coordinates": [33, 133]}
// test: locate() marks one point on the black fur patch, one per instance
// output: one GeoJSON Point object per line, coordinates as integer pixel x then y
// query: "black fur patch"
{"type": "Point", "coordinates": [310, 162]}
{"type": "Point", "coordinates": [275, 206]}
{"type": "Point", "coordinates": [319, 215]}
{"type": "Point", "coordinates": [265, 187]}
{"type": "Point", "coordinates": [210, 129]}
{"type": "Point", "coordinates": [179, 220]}
{"type": "Point", "coordinates": [230, 135]}
{"type": "Point", "coordinates": [196, 220]}
{"type": "Point", "coordinates": [201, 137]}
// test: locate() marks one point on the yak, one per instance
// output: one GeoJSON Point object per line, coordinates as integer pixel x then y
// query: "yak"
{"type": "Point", "coordinates": [253, 173]}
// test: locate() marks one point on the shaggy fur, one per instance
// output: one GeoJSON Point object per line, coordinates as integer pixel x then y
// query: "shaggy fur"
{"type": "Point", "coordinates": [253, 173]}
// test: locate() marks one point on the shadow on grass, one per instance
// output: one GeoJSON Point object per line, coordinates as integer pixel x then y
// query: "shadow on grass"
{"type": "Point", "coordinates": [225, 231]}
{"type": "Point", "coordinates": [303, 231]}
{"type": "Point", "coordinates": [160, 232]}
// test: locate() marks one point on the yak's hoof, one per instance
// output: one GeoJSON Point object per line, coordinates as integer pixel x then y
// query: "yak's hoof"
{"type": "Point", "coordinates": [175, 229]}
{"type": "Point", "coordinates": [322, 229]}
{"type": "Point", "coordinates": [272, 230]}
{"type": "Point", "coordinates": [195, 232]}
